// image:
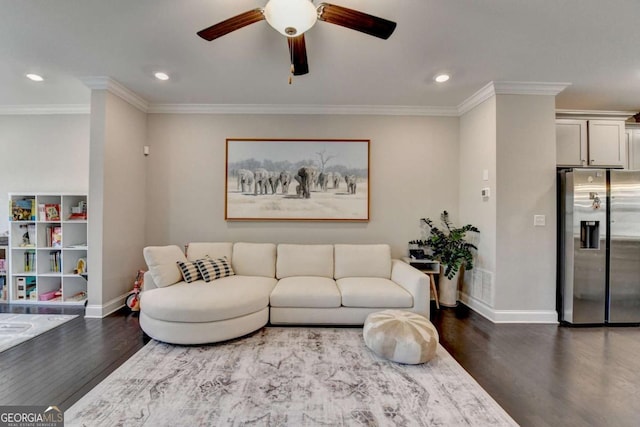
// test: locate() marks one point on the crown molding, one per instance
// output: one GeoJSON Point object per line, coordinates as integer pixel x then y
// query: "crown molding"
{"type": "Point", "coordinates": [43, 109]}
{"type": "Point", "coordinates": [594, 114]}
{"type": "Point", "coordinates": [509, 88]}
{"type": "Point", "coordinates": [486, 92]}
{"type": "Point", "coordinates": [111, 85]}
{"type": "Point", "coordinates": [529, 88]}
{"type": "Point", "coordinates": [374, 110]}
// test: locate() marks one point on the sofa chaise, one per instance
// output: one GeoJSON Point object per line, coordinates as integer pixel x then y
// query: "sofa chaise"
{"type": "Point", "coordinates": [266, 283]}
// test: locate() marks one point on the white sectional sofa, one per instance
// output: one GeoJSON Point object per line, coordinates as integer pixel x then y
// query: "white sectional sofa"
{"type": "Point", "coordinates": [284, 284]}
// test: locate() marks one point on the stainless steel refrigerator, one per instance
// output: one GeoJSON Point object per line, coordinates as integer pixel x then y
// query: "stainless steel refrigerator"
{"type": "Point", "coordinates": [599, 246]}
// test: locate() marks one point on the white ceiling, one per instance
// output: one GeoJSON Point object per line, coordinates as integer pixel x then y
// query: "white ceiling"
{"type": "Point", "coordinates": [592, 44]}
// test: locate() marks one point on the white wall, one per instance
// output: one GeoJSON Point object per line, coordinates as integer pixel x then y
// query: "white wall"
{"type": "Point", "coordinates": [526, 186]}
{"type": "Point", "coordinates": [40, 153]}
{"type": "Point", "coordinates": [117, 212]}
{"type": "Point", "coordinates": [513, 138]}
{"type": "Point", "coordinates": [420, 166]}
{"type": "Point", "coordinates": [477, 154]}
{"type": "Point", "coordinates": [413, 168]}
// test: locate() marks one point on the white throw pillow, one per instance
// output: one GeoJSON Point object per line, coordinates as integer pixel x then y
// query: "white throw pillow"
{"type": "Point", "coordinates": [162, 262]}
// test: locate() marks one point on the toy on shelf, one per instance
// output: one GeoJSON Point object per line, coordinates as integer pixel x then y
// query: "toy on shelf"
{"type": "Point", "coordinates": [79, 212]}
{"type": "Point", "coordinates": [22, 210]}
{"type": "Point", "coordinates": [47, 296]}
{"type": "Point", "coordinates": [78, 296]}
{"type": "Point", "coordinates": [81, 266]}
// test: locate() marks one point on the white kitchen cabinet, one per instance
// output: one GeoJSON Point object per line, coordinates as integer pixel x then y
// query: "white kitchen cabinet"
{"type": "Point", "coordinates": [633, 148]}
{"type": "Point", "coordinates": [607, 145]}
{"type": "Point", "coordinates": [590, 143]}
{"type": "Point", "coordinates": [571, 142]}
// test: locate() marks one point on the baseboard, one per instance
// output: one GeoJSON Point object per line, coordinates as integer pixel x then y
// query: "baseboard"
{"type": "Point", "coordinates": [94, 311]}
{"type": "Point", "coordinates": [509, 316]}
{"type": "Point", "coordinates": [476, 305]}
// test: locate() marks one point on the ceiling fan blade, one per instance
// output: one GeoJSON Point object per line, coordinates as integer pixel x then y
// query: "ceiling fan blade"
{"type": "Point", "coordinates": [231, 24]}
{"type": "Point", "coordinates": [298, 53]}
{"type": "Point", "coordinates": [355, 20]}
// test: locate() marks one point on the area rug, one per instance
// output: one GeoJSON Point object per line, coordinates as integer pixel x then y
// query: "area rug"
{"type": "Point", "coordinates": [283, 376]}
{"type": "Point", "coordinates": [17, 328]}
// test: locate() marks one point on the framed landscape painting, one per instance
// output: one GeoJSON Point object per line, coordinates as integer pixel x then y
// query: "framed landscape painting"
{"type": "Point", "coordinates": [297, 180]}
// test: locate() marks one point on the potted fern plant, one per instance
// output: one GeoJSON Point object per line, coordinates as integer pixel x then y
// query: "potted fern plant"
{"type": "Point", "coordinates": [451, 247]}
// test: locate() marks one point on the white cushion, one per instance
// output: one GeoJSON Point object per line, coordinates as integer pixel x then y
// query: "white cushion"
{"type": "Point", "coordinates": [254, 259]}
{"type": "Point", "coordinates": [199, 301]}
{"type": "Point", "coordinates": [306, 291]}
{"type": "Point", "coordinates": [200, 250]}
{"type": "Point", "coordinates": [373, 292]}
{"type": "Point", "coordinates": [362, 261]}
{"type": "Point", "coordinates": [162, 263]}
{"type": "Point", "coordinates": [401, 336]}
{"type": "Point", "coordinates": [304, 260]}
{"type": "Point", "coordinates": [203, 332]}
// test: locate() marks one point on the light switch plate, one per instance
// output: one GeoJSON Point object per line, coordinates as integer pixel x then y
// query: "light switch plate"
{"type": "Point", "coordinates": [539, 220]}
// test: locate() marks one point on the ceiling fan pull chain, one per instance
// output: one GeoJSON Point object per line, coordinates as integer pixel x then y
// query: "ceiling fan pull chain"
{"type": "Point", "coordinates": [292, 69]}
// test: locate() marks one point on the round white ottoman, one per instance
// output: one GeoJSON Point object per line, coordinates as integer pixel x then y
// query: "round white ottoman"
{"type": "Point", "coordinates": [401, 336]}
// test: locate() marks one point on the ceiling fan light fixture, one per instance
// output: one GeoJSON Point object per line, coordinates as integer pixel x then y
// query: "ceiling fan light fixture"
{"type": "Point", "coordinates": [290, 17]}
{"type": "Point", "coordinates": [161, 76]}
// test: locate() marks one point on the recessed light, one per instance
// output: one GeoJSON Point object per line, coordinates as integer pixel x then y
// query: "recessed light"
{"type": "Point", "coordinates": [35, 77]}
{"type": "Point", "coordinates": [441, 78]}
{"type": "Point", "coordinates": [161, 76]}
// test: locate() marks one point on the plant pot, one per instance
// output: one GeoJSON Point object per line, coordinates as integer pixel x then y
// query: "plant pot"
{"type": "Point", "coordinates": [448, 292]}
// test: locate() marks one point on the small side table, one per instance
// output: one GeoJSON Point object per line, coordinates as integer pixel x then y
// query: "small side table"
{"type": "Point", "coordinates": [428, 267]}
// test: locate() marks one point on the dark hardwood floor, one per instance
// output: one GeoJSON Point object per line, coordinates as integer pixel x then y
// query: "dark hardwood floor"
{"type": "Point", "coordinates": [61, 365]}
{"type": "Point", "coordinates": [549, 375]}
{"type": "Point", "coordinates": [542, 375]}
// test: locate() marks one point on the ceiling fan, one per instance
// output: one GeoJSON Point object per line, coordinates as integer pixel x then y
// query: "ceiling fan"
{"type": "Point", "coordinates": [293, 17]}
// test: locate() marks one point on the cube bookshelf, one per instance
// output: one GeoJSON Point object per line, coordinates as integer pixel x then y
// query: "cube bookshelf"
{"type": "Point", "coordinates": [4, 288]}
{"type": "Point", "coordinates": [47, 248]}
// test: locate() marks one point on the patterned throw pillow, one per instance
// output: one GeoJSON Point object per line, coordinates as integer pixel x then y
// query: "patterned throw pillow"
{"type": "Point", "coordinates": [212, 269]}
{"type": "Point", "coordinates": [189, 270]}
